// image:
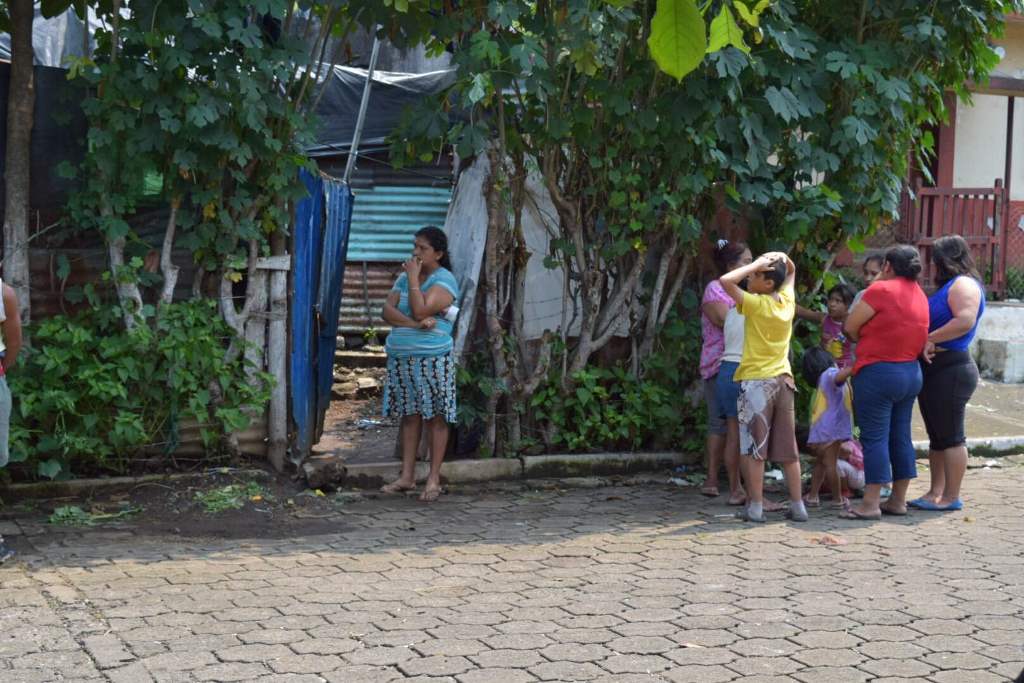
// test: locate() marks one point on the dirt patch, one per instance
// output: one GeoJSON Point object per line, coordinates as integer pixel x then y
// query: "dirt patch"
{"type": "Point", "coordinates": [268, 506]}
{"type": "Point", "coordinates": [355, 430]}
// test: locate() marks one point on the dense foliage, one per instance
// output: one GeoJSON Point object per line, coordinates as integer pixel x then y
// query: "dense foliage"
{"type": "Point", "coordinates": [92, 396]}
{"type": "Point", "coordinates": [802, 122]}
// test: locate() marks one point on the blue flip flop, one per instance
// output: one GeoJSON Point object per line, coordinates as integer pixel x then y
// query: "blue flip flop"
{"type": "Point", "coordinates": [933, 507]}
{"type": "Point", "coordinates": [916, 503]}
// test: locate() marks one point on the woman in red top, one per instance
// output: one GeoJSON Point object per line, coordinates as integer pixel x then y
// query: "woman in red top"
{"type": "Point", "coordinates": [890, 326]}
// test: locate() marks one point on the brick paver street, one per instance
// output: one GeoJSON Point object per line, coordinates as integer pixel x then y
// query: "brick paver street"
{"type": "Point", "coordinates": [623, 584]}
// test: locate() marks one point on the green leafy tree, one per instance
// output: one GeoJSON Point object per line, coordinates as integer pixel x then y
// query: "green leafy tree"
{"type": "Point", "coordinates": [800, 116]}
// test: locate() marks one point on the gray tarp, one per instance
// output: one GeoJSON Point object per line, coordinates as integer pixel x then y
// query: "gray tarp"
{"type": "Point", "coordinates": [54, 39]}
{"type": "Point", "coordinates": [60, 37]}
{"type": "Point", "coordinates": [391, 93]}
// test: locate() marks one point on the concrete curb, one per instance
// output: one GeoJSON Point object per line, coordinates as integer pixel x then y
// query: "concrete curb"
{"type": "Point", "coordinates": [992, 446]}
{"type": "Point", "coordinates": [374, 475]}
{"type": "Point", "coordinates": [86, 488]}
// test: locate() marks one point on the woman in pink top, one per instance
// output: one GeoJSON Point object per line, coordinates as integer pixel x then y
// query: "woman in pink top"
{"type": "Point", "coordinates": [714, 307]}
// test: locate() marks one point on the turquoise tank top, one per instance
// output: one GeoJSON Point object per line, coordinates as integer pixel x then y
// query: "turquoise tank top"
{"type": "Point", "coordinates": [407, 341]}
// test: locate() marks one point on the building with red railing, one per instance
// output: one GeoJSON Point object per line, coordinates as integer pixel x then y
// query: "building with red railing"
{"type": "Point", "coordinates": [978, 170]}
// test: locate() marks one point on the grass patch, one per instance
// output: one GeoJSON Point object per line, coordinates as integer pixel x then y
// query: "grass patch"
{"type": "Point", "coordinates": [72, 515]}
{"type": "Point", "coordinates": [231, 497]}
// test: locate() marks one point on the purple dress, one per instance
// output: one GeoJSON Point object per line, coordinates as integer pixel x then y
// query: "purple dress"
{"type": "Point", "coordinates": [832, 411]}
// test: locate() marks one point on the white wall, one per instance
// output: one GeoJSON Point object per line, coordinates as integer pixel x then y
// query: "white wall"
{"type": "Point", "coordinates": [980, 150]}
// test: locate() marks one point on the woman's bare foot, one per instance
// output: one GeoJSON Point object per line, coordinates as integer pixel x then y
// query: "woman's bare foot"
{"type": "Point", "coordinates": [398, 486]}
{"type": "Point", "coordinates": [431, 493]}
{"type": "Point", "coordinates": [841, 504]}
{"type": "Point", "coordinates": [890, 508]}
{"type": "Point", "coordinates": [812, 501]}
{"type": "Point", "coordinates": [738, 498]}
{"type": "Point", "coordinates": [709, 491]}
{"type": "Point", "coordinates": [772, 506]}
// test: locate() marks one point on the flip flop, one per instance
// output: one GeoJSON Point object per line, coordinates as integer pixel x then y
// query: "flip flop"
{"type": "Point", "coordinates": [935, 507]}
{"type": "Point", "coordinates": [917, 502]}
{"type": "Point", "coordinates": [816, 503]}
{"type": "Point", "coordinates": [741, 501]}
{"type": "Point", "coordinates": [394, 487]}
{"type": "Point", "coordinates": [853, 514]}
{"type": "Point", "coordinates": [709, 491]}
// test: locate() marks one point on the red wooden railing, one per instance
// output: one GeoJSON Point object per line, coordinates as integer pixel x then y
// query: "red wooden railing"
{"type": "Point", "coordinates": [978, 214]}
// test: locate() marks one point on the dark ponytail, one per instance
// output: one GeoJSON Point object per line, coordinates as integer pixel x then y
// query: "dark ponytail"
{"type": "Point", "coordinates": [905, 261]}
{"type": "Point", "coordinates": [727, 254]}
{"type": "Point", "coordinates": [438, 242]}
{"type": "Point", "coordinates": [952, 257]}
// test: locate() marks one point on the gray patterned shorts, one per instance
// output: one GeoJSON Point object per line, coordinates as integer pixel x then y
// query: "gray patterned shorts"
{"type": "Point", "coordinates": [420, 385]}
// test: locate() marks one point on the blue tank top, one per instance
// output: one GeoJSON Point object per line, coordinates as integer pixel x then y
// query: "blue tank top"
{"type": "Point", "coordinates": [940, 314]}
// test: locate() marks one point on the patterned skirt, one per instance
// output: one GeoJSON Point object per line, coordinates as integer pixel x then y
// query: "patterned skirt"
{"type": "Point", "coordinates": [420, 386]}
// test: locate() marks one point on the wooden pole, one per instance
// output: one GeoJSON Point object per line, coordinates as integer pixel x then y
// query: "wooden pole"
{"type": "Point", "coordinates": [1003, 219]}
{"type": "Point", "coordinates": [277, 355]}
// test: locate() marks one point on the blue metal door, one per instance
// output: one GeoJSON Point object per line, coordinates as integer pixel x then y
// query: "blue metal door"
{"type": "Point", "coordinates": [306, 249]}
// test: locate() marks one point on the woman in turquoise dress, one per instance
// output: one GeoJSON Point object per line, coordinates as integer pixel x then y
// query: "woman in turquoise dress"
{"type": "Point", "coordinates": [420, 384]}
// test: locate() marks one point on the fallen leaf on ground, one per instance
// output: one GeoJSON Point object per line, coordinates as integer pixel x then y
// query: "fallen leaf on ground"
{"type": "Point", "coordinates": [968, 519]}
{"type": "Point", "coordinates": [829, 539]}
{"type": "Point", "coordinates": [693, 645]}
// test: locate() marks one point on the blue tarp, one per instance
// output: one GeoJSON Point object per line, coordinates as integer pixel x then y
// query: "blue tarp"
{"type": "Point", "coordinates": [328, 302]}
{"type": "Point", "coordinates": [306, 276]}
{"type": "Point", "coordinates": [321, 232]}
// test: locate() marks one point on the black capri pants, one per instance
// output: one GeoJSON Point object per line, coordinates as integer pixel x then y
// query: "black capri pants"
{"type": "Point", "coordinates": [949, 382]}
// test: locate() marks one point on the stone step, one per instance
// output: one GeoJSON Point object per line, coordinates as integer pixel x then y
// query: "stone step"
{"type": "Point", "coordinates": [360, 358]}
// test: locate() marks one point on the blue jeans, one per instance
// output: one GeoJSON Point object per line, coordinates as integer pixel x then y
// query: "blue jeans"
{"type": "Point", "coordinates": [883, 400]}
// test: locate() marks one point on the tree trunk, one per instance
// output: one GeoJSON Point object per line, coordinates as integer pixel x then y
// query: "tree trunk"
{"type": "Point", "coordinates": [128, 293]}
{"type": "Point", "coordinates": [167, 267]}
{"type": "Point", "coordinates": [21, 99]}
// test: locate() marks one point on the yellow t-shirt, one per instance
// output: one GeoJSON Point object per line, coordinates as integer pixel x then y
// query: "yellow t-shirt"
{"type": "Point", "coordinates": [767, 330]}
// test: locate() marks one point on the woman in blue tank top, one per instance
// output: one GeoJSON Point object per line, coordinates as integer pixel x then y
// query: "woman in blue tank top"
{"type": "Point", "coordinates": [420, 384]}
{"type": "Point", "coordinates": [950, 374]}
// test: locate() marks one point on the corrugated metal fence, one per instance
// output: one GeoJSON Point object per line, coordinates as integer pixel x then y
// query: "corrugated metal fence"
{"type": "Point", "coordinates": [390, 206]}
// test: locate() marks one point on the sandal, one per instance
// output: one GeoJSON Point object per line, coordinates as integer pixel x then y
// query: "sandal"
{"type": "Point", "coordinates": [709, 491]}
{"type": "Point", "coordinates": [853, 514]}
{"type": "Point", "coordinates": [812, 502]}
{"type": "Point", "coordinates": [430, 495]}
{"type": "Point", "coordinates": [395, 487]}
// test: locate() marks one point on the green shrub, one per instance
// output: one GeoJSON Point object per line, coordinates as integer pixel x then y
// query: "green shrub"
{"type": "Point", "coordinates": [90, 396]}
{"type": "Point", "coordinates": [1015, 283]}
{"type": "Point", "coordinates": [609, 409]}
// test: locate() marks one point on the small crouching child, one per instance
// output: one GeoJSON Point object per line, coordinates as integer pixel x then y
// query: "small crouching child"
{"type": "Point", "coordinates": [10, 345]}
{"type": "Point", "coordinates": [766, 401]}
{"type": "Point", "coordinates": [831, 423]}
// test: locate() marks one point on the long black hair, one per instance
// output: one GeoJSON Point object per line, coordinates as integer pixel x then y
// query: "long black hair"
{"type": "Point", "coordinates": [845, 290]}
{"type": "Point", "coordinates": [438, 242]}
{"type": "Point", "coordinates": [815, 362]}
{"type": "Point", "coordinates": [905, 261]}
{"type": "Point", "coordinates": [726, 254]}
{"type": "Point", "coordinates": [952, 257]}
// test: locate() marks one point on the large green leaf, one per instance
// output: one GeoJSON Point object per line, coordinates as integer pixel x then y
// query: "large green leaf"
{"type": "Point", "coordinates": [725, 31]}
{"type": "Point", "coordinates": [678, 39]}
{"type": "Point", "coordinates": [784, 103]}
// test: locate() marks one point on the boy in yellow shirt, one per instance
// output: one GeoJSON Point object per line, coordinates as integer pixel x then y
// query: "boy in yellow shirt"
{"type": "Point", "coordinates": [766, 402]}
